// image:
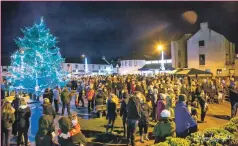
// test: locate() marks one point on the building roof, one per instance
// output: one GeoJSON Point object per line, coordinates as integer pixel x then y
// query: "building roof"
{"type": "Point", "coordinates": [156, 66]}
{"type": "Point", "coordinates": [81, 60]}
{"type": "Point", "coordinates": [192, 71]}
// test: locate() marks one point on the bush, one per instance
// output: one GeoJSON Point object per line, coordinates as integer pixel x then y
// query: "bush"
{"type": "Point", "coordinates": [162, 144]}
{"type": "Point", "coordinates": [234, 120]}
{"type": "Point", "coordinates": [177, 141]}
{"type": "Point", "coordinates": [231, 127]}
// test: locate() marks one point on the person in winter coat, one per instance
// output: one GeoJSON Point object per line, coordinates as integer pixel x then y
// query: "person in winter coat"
{"type": "Point", "coordinates": [203, 104]}
{"type": "Point", "coordinates": [56, 96]}
{"type": "Point", "coordinates": [168, 106]}
{"type": "Point", "coordinates": [144, 120]}
{"type": "Point", "coordinates": [154, 102]}
{"type": "Point", "coordinates": [160, 105]}
{"type": "Point", "coordinates": [16, 105]}
{"type": "Point", "coordinates": [81, 92]}
{"type": "Point", "coordinates": [7, 119]}
{"type": "Point", "coordinates": [133, 116]}
{"type": "Point", "coordinates": [123, 111]}
{"type": "Point", "coordinates": [164, 128]}
{"type": "Point", "coordinates": [90, 96]}
{"type": "Point", "coordinates": [183, 120]}
{"type": "Point", "coordinates": [70, 133]}
{"type": "Point", "coordinates": [65, 99]}
{"type": "Point", "coordinates": [111, 111]}
{"type": "Point", "coordinates": [23, 120]}
{"type": "Point", "coordinates": [48, 94]}
{"type": "Point", "coordinates": [233, 95]}
{"type": "Point", "coordinates": [45, 131]}
{"type": "Point", "coordinates": [48, 108]}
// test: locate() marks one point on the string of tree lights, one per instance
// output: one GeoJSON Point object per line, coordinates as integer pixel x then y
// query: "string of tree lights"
{"type": "Point", "coordinates": [37, 65]}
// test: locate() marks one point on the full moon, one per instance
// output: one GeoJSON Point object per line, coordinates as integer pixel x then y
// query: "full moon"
{"type": "Point", "coordinates": [190, 17]}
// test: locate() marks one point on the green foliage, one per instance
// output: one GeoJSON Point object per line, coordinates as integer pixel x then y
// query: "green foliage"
{"type": "Point", "coordinates": [162, 144]}
{"type": "Point", "coordinates": [177, 141]}
{"type": "Point", "coordinates": [234, 120]}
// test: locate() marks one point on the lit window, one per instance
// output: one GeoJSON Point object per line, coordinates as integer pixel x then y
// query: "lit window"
{"type": "Point", "coordinates": [219, 71]}
{"type": "Point", "coordinates": [130, 63]}
{"type": "Point", "coordinates": [201, 59]}
{"type": "Point", "coordinates": [179, 53]}
{"type": "Point", "coordinates": [135, 63]}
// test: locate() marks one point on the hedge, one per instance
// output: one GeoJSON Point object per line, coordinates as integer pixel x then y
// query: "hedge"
{"type": "Point", "coordinates": [227, 135]}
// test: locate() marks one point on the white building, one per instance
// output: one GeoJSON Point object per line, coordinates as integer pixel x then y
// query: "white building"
{"type": "Point", "coordinates": [207, 50]}
{"type": "Point", "coordinates": [131, 66]}
{"type": "Point", "coordinates": [143, 66]}
{"type": "Point", "coordinates": [92, 69]}
{"type": "Point", "coordinates": [179, 51]}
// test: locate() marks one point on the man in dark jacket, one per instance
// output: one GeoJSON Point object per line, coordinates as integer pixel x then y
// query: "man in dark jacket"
{"type": "Point", "coordinates": [48, 94]}
{"type": "Point", "coordinates": [48, 108]}
{"type": "Point", "coordinates": [66, 98]}
{"type": "Point", "coordinates": [123, 111]}
{"type": "Point", "coordinates": [15, 105]}
{"type": "Point", "coordinates": [44, 134]}
{"type": "Point", "coordinates": [134, 114]}
{"type": "Point", "coordinates": [23, 124]}
{"type": "Point", "coordinates": [233, 95]}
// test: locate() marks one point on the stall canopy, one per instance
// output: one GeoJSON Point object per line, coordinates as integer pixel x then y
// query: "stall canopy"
{"type": "Point", "coordinates": [151, 67]}
{"type": "Point", "coordinates": [192, 71]}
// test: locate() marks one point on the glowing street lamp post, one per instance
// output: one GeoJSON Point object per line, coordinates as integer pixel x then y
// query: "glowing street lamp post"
{"type": "Point", "coordinates": [85, 63]}
{"type": "Point", "coordinates": [160, 48]}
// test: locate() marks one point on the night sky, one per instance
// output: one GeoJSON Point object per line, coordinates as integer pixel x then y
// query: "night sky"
{"type": "Point", "coordinates": [115, 29]}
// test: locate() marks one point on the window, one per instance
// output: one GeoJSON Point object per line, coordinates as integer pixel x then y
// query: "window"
{"type": "Point", "coordinates": [135, 63]}
{"type": "Point", "coordinates": [93, 66]}
{"type": "Point", "coordinates": [4, 69]}
{"type": "Point", "coordinates": [201, 59]}
{"type": "Point", "coordinates": [68, 65]}
{"type": "Point", "coordinates": [179, 53]}
{"type": "Point", "coordinates": [201, 43]}
{"type": "Point", "coordinates": [76, 66]}
{"type": "Point", "coordinates": [105, 67]}
{"type": "Point", "coordinates": [219, 71]}
{"type": "Point", "coordinates": [125, 63]}
{"type": "Point", "coordinates": [99, 67]}
{"type": "Point", "coordinates": [179, 64]}
{"type": "Point", "coordinates": [130, 63]}
{"type": "Point", "coordinates": [122, 63]}
{"type": "Point", "coordinates": [83, 66]}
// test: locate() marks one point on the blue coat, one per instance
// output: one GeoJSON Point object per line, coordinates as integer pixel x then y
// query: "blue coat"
{"type": "Point", "coordinates": [183, 119]}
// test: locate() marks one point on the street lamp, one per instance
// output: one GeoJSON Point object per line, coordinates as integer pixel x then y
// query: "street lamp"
{"type": "Point", "coordinates": [85, 63]}
{"type": "Point", "coordinates": [160, 48]}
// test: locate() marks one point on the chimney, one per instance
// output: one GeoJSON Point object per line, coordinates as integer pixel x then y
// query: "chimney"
{"type": "Point", "coordinates": [204, 25]}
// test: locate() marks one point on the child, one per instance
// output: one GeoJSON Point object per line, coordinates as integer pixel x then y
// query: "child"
{"type": "Point", "coordinates": [164, 128]}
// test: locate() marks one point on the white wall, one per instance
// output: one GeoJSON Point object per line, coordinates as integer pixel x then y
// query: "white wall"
{"type": "Point", "coordinates": [215, 50]}
{"type": "Point", "coordinates": [131, 66]}
{"type": "Point", "coordinates": [76, 67]}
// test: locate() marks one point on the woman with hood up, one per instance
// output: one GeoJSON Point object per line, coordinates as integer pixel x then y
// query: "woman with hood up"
{"type": "Point", "coordinates": [7, 119]}
{"type": "Point", "coordinates": [23, 120]}
{"type": "Point", "coordinates": [48, 108]}
{"type": "Point", "coordinates": [111, 111]}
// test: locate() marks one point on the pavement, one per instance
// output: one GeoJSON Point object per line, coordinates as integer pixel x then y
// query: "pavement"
{"type": "Point", "coordinates": [217, 115]}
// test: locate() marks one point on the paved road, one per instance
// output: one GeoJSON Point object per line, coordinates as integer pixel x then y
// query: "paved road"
{"type": "Point", "coordinates": [216, 117]}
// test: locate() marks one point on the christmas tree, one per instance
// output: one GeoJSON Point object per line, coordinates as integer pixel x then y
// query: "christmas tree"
{"type": "Point", "coordinates": [38, 64]}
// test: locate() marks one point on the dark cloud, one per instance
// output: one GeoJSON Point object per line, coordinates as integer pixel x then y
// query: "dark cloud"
{"type": "Point", "coordinates": [114, 28]}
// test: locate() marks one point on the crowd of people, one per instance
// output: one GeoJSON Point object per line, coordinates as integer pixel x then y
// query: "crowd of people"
{"type": "Point", "coordinates": [169, 101]}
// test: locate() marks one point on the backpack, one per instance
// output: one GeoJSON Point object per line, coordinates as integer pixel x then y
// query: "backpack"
{"type": "Point", "coordinates": [90, 95]}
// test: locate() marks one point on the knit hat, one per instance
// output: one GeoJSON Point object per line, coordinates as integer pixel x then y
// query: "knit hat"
{"type": "Point", "coordinates": [165, 114]}
{"type": "Point", "coordinates": [182, 97]}
{"type": "Point", "coordinates": [46, 101]}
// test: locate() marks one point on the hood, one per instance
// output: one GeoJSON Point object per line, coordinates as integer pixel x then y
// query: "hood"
{"type": "Point", "coordinates": [23, 106]}
{"type": "Point", "coordinates": [64, 124]}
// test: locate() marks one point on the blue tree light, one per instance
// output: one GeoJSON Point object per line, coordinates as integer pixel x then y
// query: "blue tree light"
{"type": "Point", "coordinates": [38, 64]}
